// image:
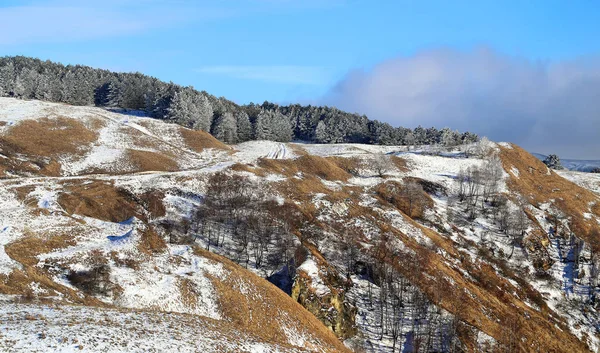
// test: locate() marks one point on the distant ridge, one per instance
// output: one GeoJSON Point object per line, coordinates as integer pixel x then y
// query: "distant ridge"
{"type": "Point", "coordinates": [578, 165]}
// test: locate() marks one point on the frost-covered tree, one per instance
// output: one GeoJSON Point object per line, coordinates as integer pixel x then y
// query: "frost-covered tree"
{"type": "Point", "coordinates": [321, 134]}
{"type": "Point", "coordinates": [383, 133]}
{"type": "Point", "coordinates": [553, 162]}
{"type": "Point", "coordinates": [272, 126]}
{"type": "Point", "coordinates": [409, 139]}
{"type": "Point", "coordinates": [244, 127]}
{"type": "Point", "coordinates": [108, 95]}
{"type": "Point", "coordinates": [191, 109]}
{"type": "Point", "coordinates": [420, 135]}
{"type": "Point", "coordinates": [469, 137]}
{"type": "Point", "coordinates": [449, 138]}
{"type": "Point", "coordinates": [7, 79]}
{"type": "Point", "coordinates": [225, 128]}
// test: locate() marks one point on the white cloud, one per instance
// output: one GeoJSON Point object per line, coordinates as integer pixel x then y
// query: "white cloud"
{"type": "Point", "coordinates": [545, 107]}
{"type": "Point", "coordinates": [287, 74]}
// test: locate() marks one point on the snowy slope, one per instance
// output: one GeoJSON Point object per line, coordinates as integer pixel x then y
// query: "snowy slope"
{"type": "Point", "coordinates": [590, 181]}
{"type": "Point", "coordinates": [121, 195]}
{"type": "Point", "coordinates": [44, 328]}
{"type": "Point", "coordinates": [115, 143]}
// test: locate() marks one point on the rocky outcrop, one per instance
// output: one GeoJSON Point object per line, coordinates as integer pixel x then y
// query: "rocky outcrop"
{"type": "Point", "coordinates": [326, 301]}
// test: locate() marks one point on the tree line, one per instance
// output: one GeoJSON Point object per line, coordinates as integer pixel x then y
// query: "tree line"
{"type": "Point", "coordinates": [30, 78]}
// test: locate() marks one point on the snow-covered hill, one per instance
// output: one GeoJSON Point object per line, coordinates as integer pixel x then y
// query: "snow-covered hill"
{"type": "Point", "coordinates": [126, 218]}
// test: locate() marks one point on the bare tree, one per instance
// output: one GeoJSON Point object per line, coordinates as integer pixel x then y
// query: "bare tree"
{"type": "Point", "coordinates": [413, 193]}
{"type": "Point", "coordinates": [491, 176]}
{"type": "Point", "coordinates": [380, 163]}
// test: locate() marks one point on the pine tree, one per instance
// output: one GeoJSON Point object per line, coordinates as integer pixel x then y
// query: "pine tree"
{"type": "Point", "coordinates": [321, 134]}
{"type": "Point", "coordinates": [7, 71]}
{"type": "Point", "coordinates": [113, 95]}
{"type": "Point", "coordinates": [553, 162]}
{"type": "Point", "coordinates": [272, 126]}
{"type": "Point", "coordinates": [244, 127]}
{"type": "Point", "coordinates": [225, 128]}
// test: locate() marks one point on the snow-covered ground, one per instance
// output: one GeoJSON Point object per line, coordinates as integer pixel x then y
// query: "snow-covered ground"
{"type": "Point", "coordinates": [66, 328]}
{"type": "Point", "coordinates": [590, 181]}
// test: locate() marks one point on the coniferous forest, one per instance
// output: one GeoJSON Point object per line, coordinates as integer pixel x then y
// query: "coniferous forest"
{"type": "Point", "coordinates": [29, 78]}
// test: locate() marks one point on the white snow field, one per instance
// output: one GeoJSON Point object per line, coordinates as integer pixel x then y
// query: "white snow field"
{"type": "Point", "coordinates": [67, 328]}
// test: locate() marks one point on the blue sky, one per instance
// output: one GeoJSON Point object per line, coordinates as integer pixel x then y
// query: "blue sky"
{"type": "Point", "coordinates": [309, 51]}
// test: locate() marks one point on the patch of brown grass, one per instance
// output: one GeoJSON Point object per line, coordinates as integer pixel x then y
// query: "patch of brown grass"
{"type": "Point", "coordinates": [152, 201]}
{"type": "Point", "coordinates": [19, 281]}
{"type": "Point", "coordinates": [97, 199]}
{"type": "Point", "coordinates": [311, 165]}
{"type": "Point", "coordinates": [48, 137]}
{"type": "Point", "coordinates": [189, 294]}
{"type": "Point", "coordinates": [25, 250]}
{"type": "Point", "coordinates": [413, 205]}
{"type": "Point", "coordinates": [297, 149]}
{"type": "Point", "coordinates": [350, 165]}
{"type": "Point", "coordinates": [198, 140]}
{"type": "Point", "coordinates": [400, 163]}
{"type": "Point", "coordinates": [151, 243]}
{"type": "Point", "coordinates": [96, 123]}
{"type": "Point", "coordinates": [22, 192]}
{"type": "Point", "coordinates": [248, 168]}
{"type": "Point", "coordinates": [145, 161]}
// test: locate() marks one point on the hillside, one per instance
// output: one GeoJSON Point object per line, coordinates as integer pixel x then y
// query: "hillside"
{"type": "Point", "coordinates": [119, 217]}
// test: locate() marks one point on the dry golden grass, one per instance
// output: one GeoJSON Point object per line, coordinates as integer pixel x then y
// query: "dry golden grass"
{"type": "Point", "coordinates": [257, 317]}
{"type": "Point", "coordinates": [26, 249]}
{"type": "Point", "coordinates": [22, 193]}
{"type": "Point", "coordinates": [151, 243]}
{"type": "Point", "coordinates": [298, 150]}
{"type": "Point", "coordinates": [188, 292]}
{"type": "Point", "coordinates": [97, 199]}
{"type": "Point", "coordinates": [350, 165]}
{"type": "Point", "coordinates": [400, 163]}
{"type": "Point", "coordinates": [413, 205]}
{"type": "Point", "coordinates": [145, 161]}
{"type": "Point", "coordinates": [49, 137]}
{"type": "Point", "coordinates": [311, 165]}
{"type": "Point", "coordinates": [198, 140]}
{"type": "Point", "coordinates": [19, 282]}
{"type": "Point", "coordinates": [42, 141]}
{"type": "Point", "coordinates": [152, 202]}
{"type": "Point", "coordinates": [248, 168]}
